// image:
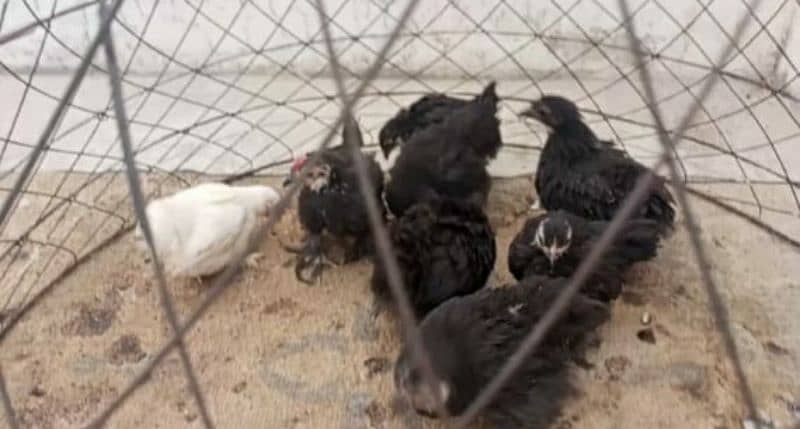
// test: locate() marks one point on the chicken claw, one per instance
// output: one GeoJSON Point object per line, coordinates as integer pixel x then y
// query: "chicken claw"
{"type": "Point", "coordinates": [310, 260]}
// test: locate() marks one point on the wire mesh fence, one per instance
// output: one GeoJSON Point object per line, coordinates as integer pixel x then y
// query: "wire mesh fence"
{"type": "Point", "coordinates": [158, 95]}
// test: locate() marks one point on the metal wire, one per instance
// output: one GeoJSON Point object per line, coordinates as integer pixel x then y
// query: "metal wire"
{"type": "Point", "coordinates": [25, 29]}
{"type": "Point", "coordinates": [218, 119]}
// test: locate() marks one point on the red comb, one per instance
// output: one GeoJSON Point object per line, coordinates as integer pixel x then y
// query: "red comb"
{"type": "Point", "coordinates": [298, 163]}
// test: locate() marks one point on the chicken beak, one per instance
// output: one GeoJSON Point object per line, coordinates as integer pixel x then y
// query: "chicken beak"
{"type": "Point", "coordinates": [551, 257]}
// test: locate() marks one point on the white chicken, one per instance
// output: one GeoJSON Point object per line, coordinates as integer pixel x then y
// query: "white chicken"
{"type": "Point", "coordinates": [201, 230]}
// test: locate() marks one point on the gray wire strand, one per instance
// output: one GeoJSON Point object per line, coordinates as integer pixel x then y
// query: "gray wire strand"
{"type": "Point", "coordinates": [25, 29]}
{"type": "Point", "coordinates": [410, 330]}
{"type": "Point", "coordinates": [137, 197]}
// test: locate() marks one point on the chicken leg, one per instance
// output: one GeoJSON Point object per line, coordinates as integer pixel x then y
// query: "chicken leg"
{"type": "Point", "coordinates": [310, 260]}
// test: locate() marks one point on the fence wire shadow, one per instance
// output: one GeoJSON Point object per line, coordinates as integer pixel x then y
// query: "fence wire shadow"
{"type": "Point", "coordinates": [109, 22]}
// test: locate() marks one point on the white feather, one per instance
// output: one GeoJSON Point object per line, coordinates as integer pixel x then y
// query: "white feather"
{"type": "Point", "coordinates": [201, 230]}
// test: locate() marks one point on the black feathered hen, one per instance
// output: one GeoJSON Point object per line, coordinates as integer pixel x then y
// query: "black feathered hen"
{"type": "Point", "coordinates": [554, 244]}
{"type": "Point", "coordinates": [448, 159]}
{"type": "Point", "coordinates": [429, 109]}
{"type": "Point", "coordinates": [330, 202]}
{"type": "Point", "coordinates": [470, 338]}
{"type": "Point", "coordinates": [444, 248]}
{"type": "Point", "coordinates": [582, 174]}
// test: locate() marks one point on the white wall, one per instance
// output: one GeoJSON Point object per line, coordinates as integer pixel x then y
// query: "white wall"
{"type": "Point", "coordinates": [444, 24]}
{"type": "Point", "coordinates": [523, 47]}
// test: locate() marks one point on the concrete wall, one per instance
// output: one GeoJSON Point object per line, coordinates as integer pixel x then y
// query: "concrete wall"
{"type": "Point", "coordinates": [454, 43]}
{"type": "Point", "coordinates": [182, 120]}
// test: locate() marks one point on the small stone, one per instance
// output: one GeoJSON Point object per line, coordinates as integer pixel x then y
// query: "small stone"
{"type": "Point", "coordinates": [646, 335]}
{"type": "Point", "coordinates": [239, 387]}
{"type": "Point", "coordinates": [190, 417]}
{"type": "Point", "coordinates": [646, 318]}
{"type": "Point", "coordinates": [38, 392]}
{"type": "Point", "coordinates": [376, 365]}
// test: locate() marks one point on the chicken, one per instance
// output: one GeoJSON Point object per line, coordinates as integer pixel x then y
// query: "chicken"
{"type": "Point", "coordinates": [554, 244]}
{"type": "Point", "coordinates": [470, 338]}
{"type": "Point", "coordinates": [444, 248]}
{"type": "Point", "coordinates": [330, 203]}
{"type": "Point", "coordinates": [448, 159]}
{"type": "Point", "coordinates": [428, 110]}
{"type": "Point", "coordinates": [201, 230]}
{"type": "Point", "coordinates": [582, 174]}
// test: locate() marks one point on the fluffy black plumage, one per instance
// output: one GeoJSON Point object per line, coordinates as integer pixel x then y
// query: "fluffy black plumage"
{"type": "Point", "coordinates": [470, 338]}
{"type": "Point", "coordinates": [429, 109]}
{"type": "Point", "coordinates": [448, 159]}
{"type": "Point", "coordinates": [330, 202]}
{"type": "Point", "coordinates": [586, 176]}
{"type": "Point", "coordinates": [444, 248]}
{"type": "Point", "coordinates": [554, 244]}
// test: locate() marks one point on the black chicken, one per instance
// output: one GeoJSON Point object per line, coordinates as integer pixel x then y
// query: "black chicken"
{"type": "Point", "coordinates": [331, 202]}
{"type": "Point", "coordinates": [470, 338]}
{"type": "Point", "coordinates": [428, 110]}
{"type": "Point", "coordinates": [554, 244]}
{"type": "Point", "coordinates": [444, 248]}
{"type": "Point", "coordinates": [582, 174]}
{"type": "Point", "coordinates": [448, 159]}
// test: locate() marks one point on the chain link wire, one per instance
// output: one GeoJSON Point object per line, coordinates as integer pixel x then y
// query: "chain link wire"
{"type": "Point", "coordinates": [125, 91]}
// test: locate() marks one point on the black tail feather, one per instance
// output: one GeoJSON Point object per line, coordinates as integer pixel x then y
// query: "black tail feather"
{"type": "Point", "coordinates": [489, 93]}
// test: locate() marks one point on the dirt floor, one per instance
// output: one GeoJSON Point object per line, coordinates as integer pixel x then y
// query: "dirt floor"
{"type": "Point", "coordinates": [275, 353]}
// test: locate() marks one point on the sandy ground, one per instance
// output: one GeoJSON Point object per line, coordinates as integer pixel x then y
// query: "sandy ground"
{"type": "Point", "coordinates": [276, 353]}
